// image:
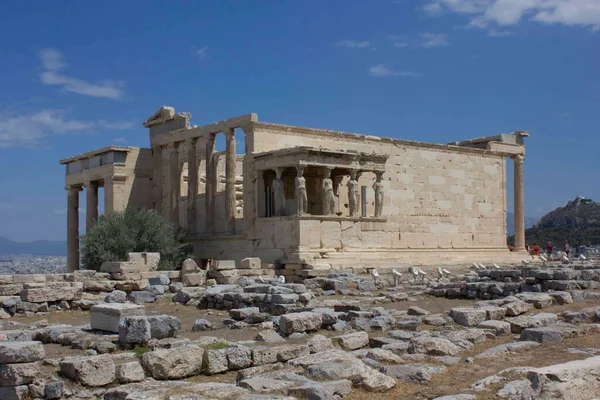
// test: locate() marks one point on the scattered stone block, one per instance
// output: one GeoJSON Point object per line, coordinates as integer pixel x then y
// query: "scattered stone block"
{"type": "Point", "coordinates": [517, 308]}
{"type": "Point", "coordinates": [18, 374]}
{"type": "Point", "coordinates": [415, 373]}
{"type": "Point", "coordinates": [417, 311]}
{"type": "Point", "coordinates": [53, 390]}
{"type": "Point", "coordinates": [177, 363]}
{"type": "Point", "coordinates": [221, 265]}
{"type": "Point", "coordinates": [238, 357]}
{"type": "Point", "coordinates": [21, 352]}
{"type": "Point", "coordinates": [202, 325]}
{"type": "Point", "coordinates": [319, 343]}
{"type": "Point", "coordinates": [468, 316]}
{"type": "Point", "coordinates": [163, 326]}
{"type": "Point", "coordinates": [269, 336]}
{"type": "Point", "coordinates": [53, 292]}
{"type": "Point", "coordinates": [106, 317]}
{"type": "Point", "coordinates": [250, 263]}
{"type": "Point", "coordinates": [92, 371]}
{"type": "Point", "coordinates": [571, 380]}
{"type": "Point", "coordinates": [352, 341]}
{"type": "Point", "coordinates": [141, 297]}
{"type": "Point", "coordinates": [14, 392]}
{"type": "Point", "coordinates": [500, 328]}
{"type": "Point", "coordinates": [134, 330]}
{"type": "Point", "coordinates": [433, 346]}
{"type": "Point", "coordinates": [117, 296]}
{"type": "Point", "coordinates": [541, 335]}
{"type": "Point", "coordinates": [215, 361]}
{"type": "Point", "coordinates": [130, 372]}
{"type": "Point", "coordinates": [322, 390]}
{"type": "Point", "coordinates": [300, 322]}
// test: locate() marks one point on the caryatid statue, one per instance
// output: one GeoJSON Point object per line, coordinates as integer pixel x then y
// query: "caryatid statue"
{"type": "Point", "coordinates": [353, 194]}
{"type": "Point", "coordinates": [278, 194]}
{"type": "Point", "coordinates": [328, 195]}
{"type": "Point", "coordinates": [301, 196]}
{"type": "Point", "coordinates": [378, 188]}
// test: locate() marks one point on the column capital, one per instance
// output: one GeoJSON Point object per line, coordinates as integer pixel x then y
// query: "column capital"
{"type": "Point", "coordinates": [90, 184]}
{"type": "Point", "coordinates": [229, 132]}
{"type": "Point", "coordinates": [519, 158]}
{"type": "Point", "coordinates": [73, 188]}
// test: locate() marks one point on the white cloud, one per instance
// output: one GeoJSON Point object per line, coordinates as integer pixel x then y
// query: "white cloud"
{"type": "Point", "coordinates": [482, 13]}
{"type": "Point", "coordinates": [354, 44]}
{"type": "Point", "coordinates": [31, 129]}
{"type": "Point", "coordinates": [398, 41]}
{"type": "Point", "coordinates": [53, 64]}
{"type": "Point", "coordinates": [434, 39]}
{"type": "Point", "coordinates": [385, 70]}
{"type": "Point", "coordinates": [201, 53]}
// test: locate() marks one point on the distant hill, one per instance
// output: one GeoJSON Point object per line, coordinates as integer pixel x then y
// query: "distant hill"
{"type": "Point", "coordinates": [510, 223]}
{"type": "Point", "coordinates": [578, 222]}
{"type": "Point", "coordinates": [37, 247]}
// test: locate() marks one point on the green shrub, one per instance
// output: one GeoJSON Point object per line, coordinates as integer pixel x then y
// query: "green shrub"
{"type": "Point", "coordinates": [139, 350]}
{"type": "Point", "coordinates": [117, 234]}
{"type": "Point", "coordinates": [218, 346]}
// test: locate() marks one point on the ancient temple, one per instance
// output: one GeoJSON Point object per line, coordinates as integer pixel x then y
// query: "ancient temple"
{"type": "Point", "coordinates": [305, 199]}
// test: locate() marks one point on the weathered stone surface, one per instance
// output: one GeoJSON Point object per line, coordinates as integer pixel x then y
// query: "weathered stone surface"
{"type": "Point", "coordinates": [433, 346]}
{"type": "Point", "coordinates": [202, 325]}
{"type": "Point", "coordinates": [21, 352]}
{"type": "Point", "coordinates": [187, 293]}
{"type": "Point", "coordinates": [134, 330]}
{"type": "Point", "coordinates": [541, 335]}
{"type": "Point", "coordinates": [500, 328]}
{"type": "Point", "coordinates": [106, 317]}
{"type": "Point", "coordinates": [517, 324]}
{"type": "Point", "coordinates": [572, 380]}
{"type": "Point", "coordinates": [240, 314]}
{"type": "Point", "coordinates": [434, 320]}
{"type": "Point", "coordinates": [319, 343]}
{"type": "Point", "coordinates": [264, 355]}
{"type": "Point", "coordinates": [468, 316]}
{"type": "Point", "coordinates": [507, 348]}
{"type": "Point", "coordinates": [352, 341]}
{"type": "Point", "coordinates": [322, 390]}
{"type": "Point", "coordinates": [89, 371]}
{"type": "Point", "coordinates": [163, 326]}
{"type": "Point", "coordinates": [461, 396]}
{"type": "Point", "coordinates": [300, 322]}
{"type": "Point", "coordinates": [238, 357]}
{"type": "Point", "coordinates": [494, 313]}
{"type": "Point", "coordinates": [416, 373]}
{"type": "Point", "coordinates": [561, 297]}
{"type": "Point", "coordinates": [539, 300]}
{"type": "Point", "coordinates": [14, 392]}
{"type": "Point", "coordinates": [176, 363]}
{"type": "Point", "coordinates": [141, 297]}
{"type": "Point", "coordinates": [517, 308]}
{"type": "Point", "coordinates": [18, 374]}
{"type": "Point", "coordinates": [519, 389]}
{"type": "Point", "coordinates": [260, 384]}
{"type": "Point", "coordinates": [130, 372]}
{"type": "Point", "coordinates": [269, 336]}
{"type": "Point", "coordinates": [53, 292]}
{"type": "Point", "coordinates": [383, 356]}
{"type": "Point", "coordinates": [215, 361]}
{"type": "Point", "coordinates": [291, 351]}
{"type": "Point", "coordinates": [117, 296]}
{"type": "Point", "coordinates": [53, 390]}
{"type": "Point", "coordinates": [417, 311]}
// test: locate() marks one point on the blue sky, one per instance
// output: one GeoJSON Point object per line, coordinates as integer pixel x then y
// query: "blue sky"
{"type": "Point", "coordinates": [83, 75]}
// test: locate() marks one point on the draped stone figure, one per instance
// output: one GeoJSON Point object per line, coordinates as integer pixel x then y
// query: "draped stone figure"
{"type": "Point", "coordinates": [301, 196]}
{"type": "Point", "coordinates": [328, 195]}
{"type": "Point", "coordinates": [378, 188]}
{"type": "Point", "coordinates": [278, 194]}
{"type": "Point", "coordinates": [353, 194]}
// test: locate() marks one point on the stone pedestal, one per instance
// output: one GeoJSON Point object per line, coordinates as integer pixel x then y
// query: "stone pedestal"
{"type": "Point", "coordinates": [106, 317]}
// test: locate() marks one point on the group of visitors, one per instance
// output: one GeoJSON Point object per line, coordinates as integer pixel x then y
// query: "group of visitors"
{"type": "Point", "coordinates": [536, 250]}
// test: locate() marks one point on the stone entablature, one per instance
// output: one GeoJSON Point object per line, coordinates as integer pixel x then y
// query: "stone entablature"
{"type": "Point", "coordinates": [302, 194]}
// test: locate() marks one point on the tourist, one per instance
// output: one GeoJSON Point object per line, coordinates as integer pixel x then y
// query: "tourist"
{"type": "Point", "coordinates": [549, 250]}
{"type": "Point", "coordinates": [567, 248]}
{"type": "Point", "coordinates": [536, 249]}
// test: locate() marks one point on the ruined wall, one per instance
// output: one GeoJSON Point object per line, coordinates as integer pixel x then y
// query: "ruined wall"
{"type": "Point", "coordinates": [436, 197]}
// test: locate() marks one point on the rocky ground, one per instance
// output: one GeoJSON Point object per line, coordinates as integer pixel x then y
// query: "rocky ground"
{"type": "Point", "coordinates": [329, 338]}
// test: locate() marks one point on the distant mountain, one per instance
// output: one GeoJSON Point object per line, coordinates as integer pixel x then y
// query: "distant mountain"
{"type": "Point", "coordinates": [578, 222]}
{"type": "Point", "coordinates": [37, 247]}
{"type": "Point", "coordinates": [510, 223]}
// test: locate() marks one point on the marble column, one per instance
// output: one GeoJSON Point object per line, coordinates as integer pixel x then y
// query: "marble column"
{"type": "Point", "coordinates": [230, 161]}
{"type": "Point", "coordinates": [157, 179]}
{"type": "Point", "coordinates": [519, 203]}
{"type": "Point", "coordinates": [353, 194]}
{"type": "Point", "coordinates": [72, 227]}
{"type": "Point", "coordinates": [211, 184]}
{"type": "Point", "coordinates": [174, 183]}
{"type": "Point", "coordinates": [192, 186]}
{"type": "Point", "coordinates": [91, 205]}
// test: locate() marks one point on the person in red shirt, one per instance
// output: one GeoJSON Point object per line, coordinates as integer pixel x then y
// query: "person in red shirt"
{"type": "Point", "coordinates": [549, 250]}
{"type": "Point", "coordinates": [536, 249]}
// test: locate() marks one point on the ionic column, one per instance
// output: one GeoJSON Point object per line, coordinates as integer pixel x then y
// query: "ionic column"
{"type": "Point", "coordinates": [72, 227]}
{"type": "Point", "coordinates": [211, 184]}
{"type": "Point", "coordinates": [230, 160]}
{"type": "Point", "coordinates": [519, 200]}
{"type": "Point", "coordinates": [157, 180]}
{"type": "Point", "coordinates": [192, 185]}
{"type": "Point", "coordinates": [175, 182]}
{"type": "Point", "coordinates": [91, 205]}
